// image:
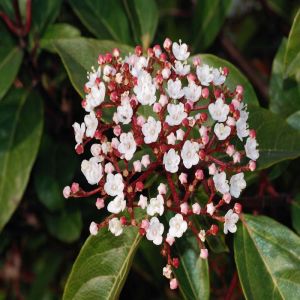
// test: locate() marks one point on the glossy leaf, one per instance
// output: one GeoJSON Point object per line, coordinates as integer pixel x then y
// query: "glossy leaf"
{"type": "Point", "coordinates": [292, 52]}
{"type": "Point", "coordinates": [143, 16]}
{"type": "Point", "coordinates": [294, 120]}
{"type": "Point", "coordinates": [102, 265]}
{"type": "Point", "coordinates": [192, 274]}
{"type": "Point", "coordinates": [234, 78]}
{"type": "Point", "coordinates": [284, 93]}
{"type": "Point", "coordinates": [267, 255]}
{"type": "Point", "coordinates": [80, 54]}
{"type": "Point", "coordinates": [21, 123]}
{"type": "Point", "coordinates": [277, 140]}
{"type": "Point", "coordinates": [295, 212]}
{"type": "Point", "coordinates": [208, 19]}
{"type": "Point", "coordinates": [103, 18]}
{"type": "Point", "coordinates": [10, 60]}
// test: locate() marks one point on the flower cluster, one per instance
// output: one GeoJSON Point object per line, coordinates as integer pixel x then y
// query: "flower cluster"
{"type": "Point", "coordinates": [165, 117]}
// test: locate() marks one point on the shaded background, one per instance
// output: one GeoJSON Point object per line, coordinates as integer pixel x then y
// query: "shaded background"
{"type": "Point", "coordinates": [42, 239]}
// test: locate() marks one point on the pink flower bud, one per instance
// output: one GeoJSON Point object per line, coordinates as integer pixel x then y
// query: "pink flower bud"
{"type": "Point", "coordinates": [145, 160]}
{"type": "Point", "coordinates": [252, 133]}
{"type": "Point", "coordinates": [101, 59]}
{"type": "Point", "coordinates": [191, 77]}
{"type": "Point", "coordinates": [145, 224]}
{"type": "Point", "coordinates": [163, 100]}
{"type": "Point", "coordinates": [205, 139]}
{"type": "Point", "coordinates": [239, 89]}
{"type": "Point", "coordinates": [117, 130]}
{"type": "Point", "coordinates": [162, 189]}
{"type": "Point", "coordinates": [109, 168]}
{"type": "Point", "coordinates": [116, 52]}
{"type": "Point", "coordinates": [140, 121]}
{"type": "Point", "coordinates": [196, 208]}
{"type": "Point", "coordinates": [138, 50]}
{"type": "Point", "coordinates": [67, 192]}
{"type": "Point", "coordinates": [173, 284]}
{"type": "Point", "coordinates": [166, 72]}
{"type": "Point", "coordinates": [74, 187]}
{"type": "Point", "coordinates": [227, 198]}
{"type": "Point", "coordinates": [137, 166]}
{"type": "Point", "coordinates": [252, 165]}
{"type": "Point", "coordinates": [199, 174]}
{"type": "Point", "coordinates": [212, 169]}
{"type": "Point", "coordinates": [225, 71]}
{"type": "Point", "coordinates": [236, 157]}
{"type": "Point", "coordinates": [230, 150]}
{"type": "Point", "coordinates": [139, 186]}
{"type": "Point", "coordinates": [237, 208]}
{"type": "Point", "coordinates": [183, 178]}
{"type": "Point", "coordinates": [214, 229]}
{"type": "Point", "coordinates": [157, 50]}
{"type": "Point", "coordinates": [157, 107]}
{"type": "Point", "coordinates": [123, 220]}
{"type": "Point", "coordinates": [204, 253]}
{"type": "Point", "coordinates": [205, 93]}
{"type": "Point", "coordinates": [167, 44]}
{"type": "Point", "coordinates": [79, 149]}
{"type": "Point", "coordinates": [196, 61]}
{"type": "Point", "coordinates": [175, 262]}
{"type": "Point", "coordinates": [184, 208]}
{"type": "Point", "coordinates": [93, 228]}
{"type": "Point", "coordinates": [100, 203]}
{"type": "Point", "coordinates": [235, 103]}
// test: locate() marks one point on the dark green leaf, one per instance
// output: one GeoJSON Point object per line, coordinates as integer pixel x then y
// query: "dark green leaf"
{"type": "Point", "coordinates": [80, 54]}
{"type": "Point", "coordinates": [277, 140]}
{"type": "Point", "coordinates": [284, 93]}
{"type": "Point", "coordinates": [294, 120]}
{"type": "Point", "coordinates": [21, 123]}
{"type": "Point", "coordinates": [192, 274]}
{"type": "Point", "coordinates": [102, 265]}
{"type": "Point", "coordinates": [208, 19]}
{"type": "Point", "coordinates": [267, 255]}
{"type": "Point", "coordinates": [10, 60]}
{"type": "Point", "coordinates": [103, 18]}
{"type": "Point", "coordinates": [295, 211]}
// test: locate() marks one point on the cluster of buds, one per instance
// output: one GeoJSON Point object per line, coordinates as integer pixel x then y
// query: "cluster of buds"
{"type": "Point", "coordinates": [171, 119]}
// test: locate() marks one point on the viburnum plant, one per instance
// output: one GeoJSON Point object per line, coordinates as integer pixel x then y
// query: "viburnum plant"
{"type": "Point", "coordinates": [173, 117]}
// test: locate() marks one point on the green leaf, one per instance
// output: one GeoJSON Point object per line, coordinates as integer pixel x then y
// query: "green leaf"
{"type": "Point", "coordinates": [10, 60]}
{"type": "Point", "coordinates": [102, 266]}
{"type": "Point", "coordinates": [267, 255]}
{"type": "Point", "coordinates": [103, 18]}
{"type": "Point", "coordinates": [234, 78]}
{"type": "Point", "coordinates": [58, 31]}
{"type": "Point", "coordinates": [292, 52]}
{"type": "Point", "coordinates": [208, 19]}
{"type": "Point", "coordinates": [143, 16]}
{"type": "Point", "coordinates": [294, 120]}
{"type": "Point", "coordinates": [192, 274]}
{"type": "Point", "coordinates": [21, 124]}
{"type": "Point", "coordinates": [277, 140]}
{"type": "Point", "coordinates": [284, 93]}
{"type": "Point", "coordinates": [65, 225]}
{"type": "Point", "coordinates": [295, 212]}
{"type": "Point", "coordinates": [80, 54]}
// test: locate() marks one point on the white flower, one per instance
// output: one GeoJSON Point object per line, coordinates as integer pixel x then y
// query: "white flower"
{"type": "Point", "coordinates": [196, 208]}
{"type": "Point", "coordinates": [151, 130]}
{"type": "Point", "coordinates": [143, 202]}
{"type": "Point", "coordinates": [145, 89]}
{"type": "Point", "coordinates": [114, 185]}
{"type": "Point", "coordinates": [210, 208]}
{"type": "Point", "coordinates": [174, 89]}
{"type": "Point", "coordinates": [192, 92]}
{"type": "Point", "coordinates": [92, 77]}
{"type": "Point", "coordinates": [176, 114]}
{"type": "Point", "coordinates": [218, 77]}
{"type": "Point", "coordinates": [79, 132]}
{"type": "Point", "coordinates": [241, 128]}
{"type": "Point", "coordinates": [136, 64]}
{"type": "Point", "coordinates": [219, 110]}
{"type": "Point", "coordinates": [250, 148]}
{"type": "Point", "coordinates": [231, 219]}
{"type": "Point", "coordinates": [96, 149]}
{"type": "Point", "coordinates": [212, 169]}
{"type": "Point", "coordinates": [137, 166]}
{"type": "Point", "coordinates": [237, 184]}
{"type": "Point", "coordinates": [117, 205]}
{"type": "Point", "coordinates": [106, 147]}
{"type": "Point", "coordinates": [145, 161]}
{"type": "Point", "coordinates": [156, 206]}
{"type": "Point", "coordinates": [93, 228]}
{"type": "Point", "coordinates": [181, 69]}
{"type": "Point", "coordinates": [180, 51]}
{"type": "Point", "coordinates": [171, 139]}
{"type": "Point", "coordinates": [221, 131]}
{"type": "Point", "coordinates": [124, 112]}
{"type": "Point", "coordinates": [221, 183]}
{"type": "Point", "coordinates": [201, 235]}
{"type": "Point", "coordinates": [180, 134]}
{"type": "Point", "coordinates": [95, 97]}
{"type": "Point", "coordinates": [171, 161]}
{"type": "Point", "coordinates": [155, 231]}
{"type": "Point", "coordinates": [92, 170]}
{"type": "Point", "coordinates": [109, 167]}
{"type": "Point", "coordinates": [177, 226]}
{"type": "Point", "coordinates": [67, 192]}
{"type": "Point", "coordinates": [91, 123]}
{"type": "Point", "coordinates": [167, 271]}
{"type": "Point", "coordinates": [204, 74]}
{"type": "Point", "coordinates": [127, 145]}
{"type": "Point", "coordinates": [189, 154]}
{"type": "Point", "coordinates": [162, 189]}
{"type": "Point", "coordinates": [115, 226]}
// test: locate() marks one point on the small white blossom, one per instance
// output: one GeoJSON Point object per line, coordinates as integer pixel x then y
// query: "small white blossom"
{"type": "Point", "coordinates": [96, 149]}
{"type": "Point", "coordinates": [145, 89]}
{"type": "Point", "coordinates": [162, 189]}
{"type": "Point", "coordinates": [250, 148]}
{"type": "Point", "coordinates": [180, 51]}
{"type": "Point", "coordinates": [127, 145]}
{"type": "Point", "coordinates": [106, 147]}
{"type": "Point", "coordinates": [155, 231]}
{"type": "Point", "coordinates": [221, 183]}
{"type": "Point", "coordinates": [231, 219]}
{"type": "Point", "coordinates": [171, 139]}
{"type": "Point", "coordinates": [218, 77]}
{"type": "Point", "coordinates": [115, 226]}
{"type": "Point", "coordinates": [151, 130]}
{"type": "Point", "coordinates": [181, 69]}
{"type": "Point", "coordinates": [92, 77]}
{"type": "Point", "coordinates": [156, 206]}
{"type": "Point", "coordinates": [177, 226]}
{"type": "Point", "coordinates": [192, 92]}
{"type": "Point", "coordinates": [189, 154]}
{"type": "Point", "coordinates": [137, 166]}
{"type": "Point", "coordinates": [95, 97]}
{"type": "Point", "coordinates": [204, 74]}
{"type": "Point", "coordinates": [109, 167]}
{"type": "Point", "coordinates": [92, 170]}
{"type": "Point", "coordinates": [79, 132]}
{"type": "Point", "coordinates": [91, 123]}
{"type": "Point", "coordinates": [171, 161]}
{"type": "Point", "coordinates": [210, 208]}
{"type": "Point", "coordinates": [167, 271]}
{"type": "Point", "coordinates": [176, 114]}
{"type": "Point", "coordinates": [237, 184]}
{"type": "Point", "coordinates": [93, 228]}
{"type": "Point", "coordinates": [180, 134]}
{"type": "Point", "coordinates": [114, 185]}
{"type": "Point", "coordinates": [124, 112]}
{"type": "Point", "coordinates": [174, 89]}
{"type": "Point", "coordinates": [196, 208]}
{"type": "Point", "coordinates": [221, 131]}
{"type": "Point", "coordinates": [145, 160]}
{"type": "Point", "coordinates": [117, 205]}
{"type": "Point", "coordinates": [201, 235]}
{"type": "Point", "coordinates": [143, 202]}
{"type": "Point", "coordinates": [219, 110]}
